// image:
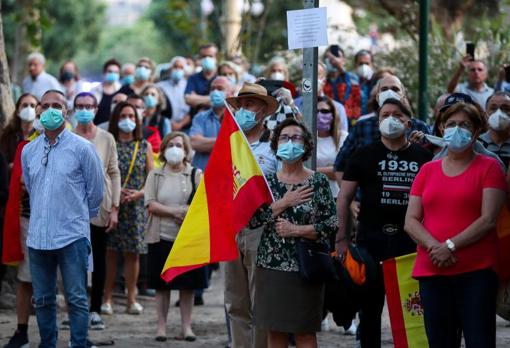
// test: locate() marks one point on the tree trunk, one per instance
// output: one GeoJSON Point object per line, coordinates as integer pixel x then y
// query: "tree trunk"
{"type": "Point", "coordinates": [6, 100]}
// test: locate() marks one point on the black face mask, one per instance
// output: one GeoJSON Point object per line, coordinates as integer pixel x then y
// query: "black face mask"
{"type": "Point", "coordinates": [66, 76]}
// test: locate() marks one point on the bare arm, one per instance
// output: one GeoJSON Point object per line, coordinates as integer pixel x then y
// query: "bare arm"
{"type": "Point", "coordinates": [492, 201]}
{"type": "Point", "coordinates": [452, 84]}
{"type": "Point", "coordinates": [195, 100]}
{"type": "Point", "coordinates": [201, 143]}
{"type": "Point", "coordinates": [413, 224]}
{"type": "Point", "coordinates": [345, 197]}
{"type": "Point", "coordinates": [338, 177]}
{"type": "Point", "coordinates": [328, 171]}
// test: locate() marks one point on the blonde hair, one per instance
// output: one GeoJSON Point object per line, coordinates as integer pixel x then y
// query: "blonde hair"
{"type": "Point", "coordinates": [185, 140]}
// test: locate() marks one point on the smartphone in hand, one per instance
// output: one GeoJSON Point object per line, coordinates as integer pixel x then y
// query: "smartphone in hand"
{"type": "Point", "coordinates": [470, 49]}
{"type": "Point", "coordinates": [507, 73]}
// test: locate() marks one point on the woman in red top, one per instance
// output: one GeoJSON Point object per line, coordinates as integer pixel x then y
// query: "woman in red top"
{"type": "Point", "coordinates": [452, 215]}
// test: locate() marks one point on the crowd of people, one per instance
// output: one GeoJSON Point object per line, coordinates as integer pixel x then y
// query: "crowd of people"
{"type": "Point", "coordinates": [111, 171]}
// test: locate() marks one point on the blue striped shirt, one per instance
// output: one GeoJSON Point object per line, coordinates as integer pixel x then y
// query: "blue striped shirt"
{"type": "Point", "coordinates": [65, 183]}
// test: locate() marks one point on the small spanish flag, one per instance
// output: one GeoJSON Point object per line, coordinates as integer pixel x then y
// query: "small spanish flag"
{"type": "Point", "coordinates": [232, 189]}
{"type": "Point", "coordinates": [404, 303]}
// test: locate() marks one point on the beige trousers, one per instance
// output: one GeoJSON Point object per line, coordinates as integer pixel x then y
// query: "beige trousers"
{"type": "Point", "coordinates": [240, 292]}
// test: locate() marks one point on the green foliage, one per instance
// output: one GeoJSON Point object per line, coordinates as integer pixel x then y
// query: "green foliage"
{"type": "Point", "coordinates": [60, 27]}
{"type": "Point", "coordinates": [493, 46]}
{"type": "Point", "coordinates": [180, 22]}
{"type": "Point", "coordinates": [127, 44]}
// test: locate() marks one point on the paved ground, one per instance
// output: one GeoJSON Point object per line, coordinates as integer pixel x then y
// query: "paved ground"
{"type": "Point", "coordinates": [129, 331]}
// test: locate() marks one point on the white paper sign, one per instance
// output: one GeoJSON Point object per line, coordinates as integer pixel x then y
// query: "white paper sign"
{"type": "Point", "coordinates": [307, 28]}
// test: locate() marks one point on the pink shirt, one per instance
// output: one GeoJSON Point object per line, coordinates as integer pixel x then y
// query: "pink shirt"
{"type": "Point", "coordinates": [450, 205]}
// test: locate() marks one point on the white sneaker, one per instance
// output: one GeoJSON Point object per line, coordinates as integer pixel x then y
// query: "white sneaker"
{"type": "Point", "coordinates": [135, 309]}
{"type": "Point", "coordinates": [106, 308]}
{"type": "Point", "coordinates": [351, 331]}
{"type": "Point", "coordinates": [325, 325]}
{"type": "Point", "coordinates": [96, 323]}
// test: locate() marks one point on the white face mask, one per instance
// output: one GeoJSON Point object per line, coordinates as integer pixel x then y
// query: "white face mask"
{"type": "Point", "coordinates": [174, 155]}
{"type": "Point", "coordinates": [391, 127]}
{"type": "Point", "coordinates": [38, 126]}
{"type": "Point", "coordinates": [365, 71]}
{"type": "Point", "coordinates": [499, 120]}
{"type": "Point", "coordinates": [27, 114]}
{"type": "Point", "coordinates": [278, 75]}
{"type": "Point", "coordinates": [139, 113]}
{"type": "Point", "coordinates": [387, 94]}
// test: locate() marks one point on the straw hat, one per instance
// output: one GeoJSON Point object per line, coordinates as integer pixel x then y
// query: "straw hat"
{"type": "Point", "coordinates": [253, 90]}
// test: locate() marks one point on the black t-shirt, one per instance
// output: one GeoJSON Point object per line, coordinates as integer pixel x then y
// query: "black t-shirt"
{"type": "Point", "coordinates": [384, 178]}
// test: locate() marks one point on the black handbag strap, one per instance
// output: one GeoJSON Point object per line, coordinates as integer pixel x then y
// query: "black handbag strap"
{"type": "Point", "coordinates": [193, 185]}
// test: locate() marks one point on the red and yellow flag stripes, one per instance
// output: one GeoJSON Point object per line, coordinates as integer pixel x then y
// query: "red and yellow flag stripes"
{"type": "Point", "coordinates": [404, 304]}
{"type": "Point", "coordinates": [232, 189]}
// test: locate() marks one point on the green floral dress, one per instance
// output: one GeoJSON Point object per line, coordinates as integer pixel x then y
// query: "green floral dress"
{"type": "Point", "coordinates": [129, 235]}
{"type": "Point", "coordinates": [279, 253]}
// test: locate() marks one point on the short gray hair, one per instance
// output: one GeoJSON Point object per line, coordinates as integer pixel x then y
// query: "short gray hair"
{"type": "Point", "coordinates": [37, 56]}
{"type": "Point", "coordinates": [177, 58]}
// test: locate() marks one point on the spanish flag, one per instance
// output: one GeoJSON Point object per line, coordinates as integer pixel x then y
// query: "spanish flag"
{"type": "Point", "coordinates": [232, 188]}
{"type": "Point", "coordinates": [12, 252]}
{"type": "Point", "coordinates": [404, 303]}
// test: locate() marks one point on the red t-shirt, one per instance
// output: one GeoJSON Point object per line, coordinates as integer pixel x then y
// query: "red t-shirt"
{"type": "Point", "coordinates": [450, 205]}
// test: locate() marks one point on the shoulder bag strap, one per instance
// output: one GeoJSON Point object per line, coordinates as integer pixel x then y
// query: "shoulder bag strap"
{"type": "Point", "coordinates": [131, 165]}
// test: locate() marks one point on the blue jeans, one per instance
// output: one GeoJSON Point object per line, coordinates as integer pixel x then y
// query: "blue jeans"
{"type": "Point", "coordinates": [461, 303]}
{"type": "Point", "coordinates": [72, 261]}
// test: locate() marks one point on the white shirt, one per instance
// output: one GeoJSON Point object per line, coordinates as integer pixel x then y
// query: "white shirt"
{"type": "Point", "coordinates": [326, 154]}
{"type": "Point", "coordinates": [478, 96]}
{"type": "Point", "coordinates": [42, 83]}
{"type": "Point", "coordinates": [175, 94]}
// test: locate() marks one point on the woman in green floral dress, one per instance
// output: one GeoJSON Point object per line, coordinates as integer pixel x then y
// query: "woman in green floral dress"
{"type": "Point", "coordinates": [303, 208]}
{"type": "Point", "coordinates": [135, 162]}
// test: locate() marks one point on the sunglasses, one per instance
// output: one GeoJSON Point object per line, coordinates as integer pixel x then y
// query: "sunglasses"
{"type": "Point", "coordinates": [324, 111]}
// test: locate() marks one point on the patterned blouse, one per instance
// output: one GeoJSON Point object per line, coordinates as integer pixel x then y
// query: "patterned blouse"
{"type": "Point", "coordinates": [277, 253]}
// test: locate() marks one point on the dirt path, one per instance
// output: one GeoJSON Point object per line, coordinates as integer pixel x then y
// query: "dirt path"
{"type": "Point", "coordinates": [209, 325]}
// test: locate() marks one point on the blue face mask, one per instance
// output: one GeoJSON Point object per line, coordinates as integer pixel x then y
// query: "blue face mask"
{"type": "Point", "coordinates": [150, 101]}
{"type": "Point", "coordinates": [290, 152]}
{"type": "Point", "coordinates": [329, 67]}
{"type": "Point", "coordinates": [246, 119]}
{"type": "Point", "coordinates": [126, 125]}
{"type": "Point", "coordinates": [177, 74]}
{"type": "Point", "coordinates": [142, 73]}
{"type": "Point", "coordinates": [232, 79]}
{"type": "Point", "coordinates": [458, 139]}
{"type": "Point", "coordinates": [51, 119]}
{"type": "Point", "coordinates": [84, 116]}
{"type": "Point", "coordinates": [208, 63]}
{"type": "Point", "coordinates": [111, 77]}
{"type": "Point", "coordinates": [217, 98]}
{"type": "Point", "coordinates": [128, 79]}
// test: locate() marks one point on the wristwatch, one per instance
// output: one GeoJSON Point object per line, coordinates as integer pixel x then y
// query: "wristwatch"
{"type": "Point", "coordinates": [450, 245]}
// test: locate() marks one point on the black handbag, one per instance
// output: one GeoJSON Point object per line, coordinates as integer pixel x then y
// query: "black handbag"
{"type": "Point", "coordinates": [315, 261]}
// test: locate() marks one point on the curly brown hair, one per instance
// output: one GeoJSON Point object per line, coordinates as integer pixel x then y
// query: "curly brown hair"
{"type": "Point", "coordinates": [307, 136]}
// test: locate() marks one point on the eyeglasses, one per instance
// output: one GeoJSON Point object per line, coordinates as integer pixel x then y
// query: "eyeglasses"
{"type": "Point", "coordinates": [294, 138]}
{"type": "Point", "coordinates": [463, 124]}
{"type": "Point", "coordinates": [44, 160]}
{"type": "Point", "coordinates": [324, 111]}
{"type": "Point", "coordinates": [84, 106]}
